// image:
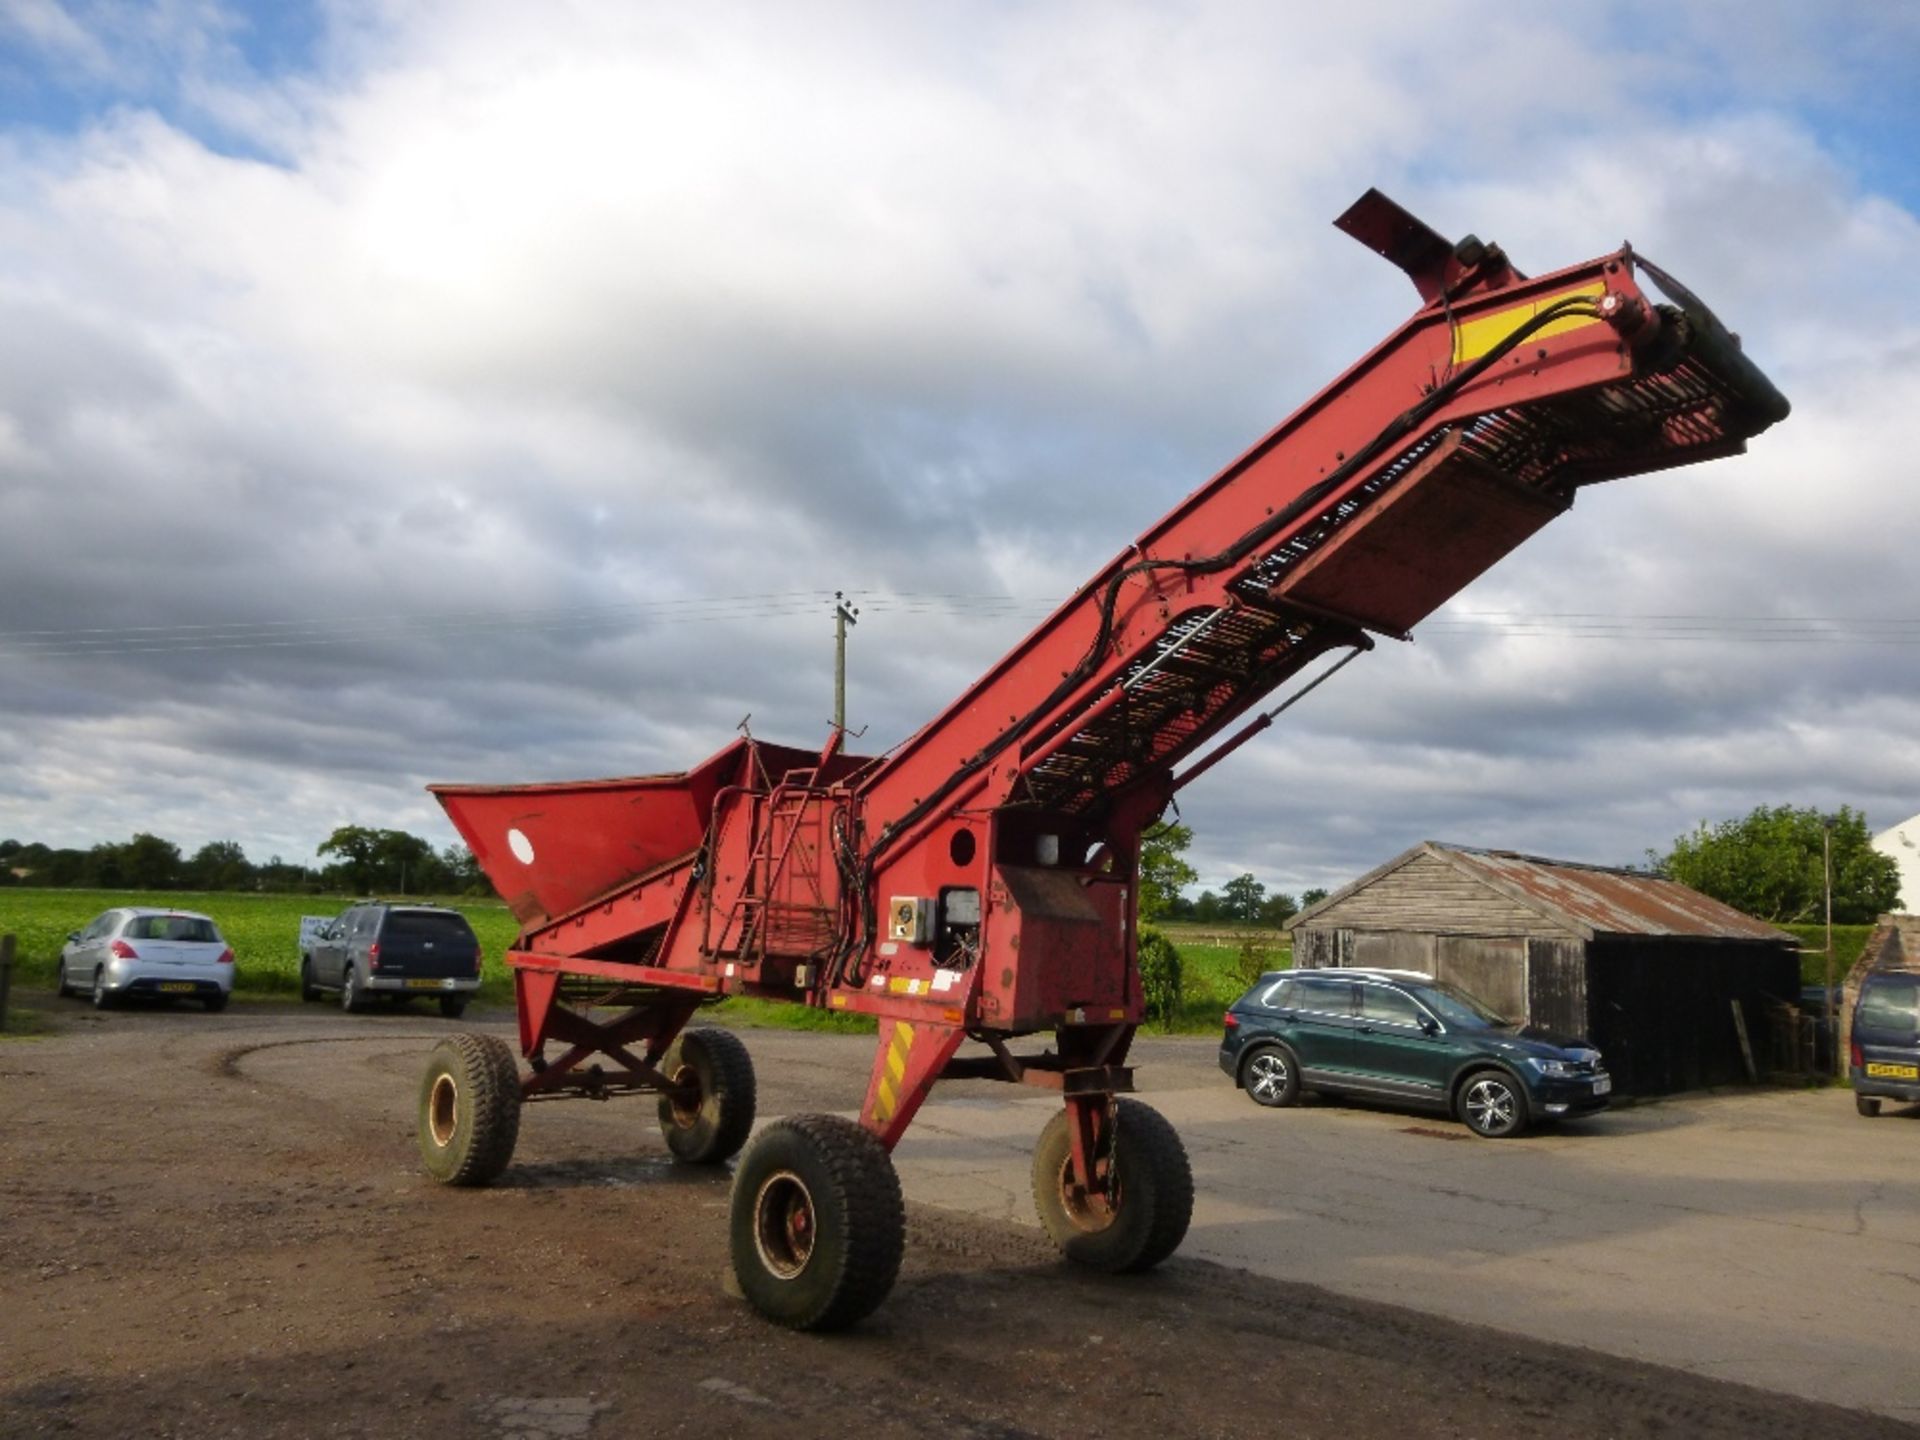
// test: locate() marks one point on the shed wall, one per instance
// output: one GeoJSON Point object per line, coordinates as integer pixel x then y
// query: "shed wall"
{"type": "Point", "coordinates": [1661, 1010]}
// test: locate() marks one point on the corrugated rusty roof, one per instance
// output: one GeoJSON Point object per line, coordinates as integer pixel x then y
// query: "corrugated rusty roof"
{"type": "Point", "coordinates": [1612, 902]}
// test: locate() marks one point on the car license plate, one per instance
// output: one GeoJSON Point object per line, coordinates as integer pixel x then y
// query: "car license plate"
{"type": "Point", "coordinates": [423, 984]}
{"type": "Point", "coordinates": [178, 987]}
{"type": "Point", "coordinates": [1603, 1085]}
{"type": "Point", "coordinates": [1894, 1072]}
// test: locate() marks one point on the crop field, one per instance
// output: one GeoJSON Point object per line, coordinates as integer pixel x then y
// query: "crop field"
{"type": "Point", "coordinates": [264, 931]}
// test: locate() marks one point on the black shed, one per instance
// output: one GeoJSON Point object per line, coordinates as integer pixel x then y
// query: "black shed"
{"type": "Point", "coordinates": [1651, 972]}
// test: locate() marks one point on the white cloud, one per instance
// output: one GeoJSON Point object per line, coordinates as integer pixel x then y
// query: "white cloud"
{"type": "Point", "coordinates": [551, 308]}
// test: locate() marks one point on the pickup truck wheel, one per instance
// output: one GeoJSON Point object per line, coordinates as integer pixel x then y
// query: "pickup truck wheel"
{"type": "Point", "coordinates": [469, 1109]}
{"type": "Point", "coordinates": [350, 1000]}
{"type": "Point", "coordinates": [453, 1006]}
{"type": "Point", "coordinates": [307, 989]}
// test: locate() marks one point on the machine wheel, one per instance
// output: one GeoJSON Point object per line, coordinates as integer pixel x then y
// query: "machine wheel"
{"type": "Point", "coordinates": [715, 1126]}
{"type": "Point", "coordinates": [1867, 1105]}
{"type": "Point", "coordinates": [1493, 1105]}
{"type": "Point", "coordinates": [1269, 1076]}
{"type": "Point", "coordinates": [1147, 1217]}
{"type": "Point", "coordinates": [350, 997]}
{"type": "Point", "coordinates": [817, 1223]}
{"type": "Point", "coordinates": [102, 997]}
{"type": "Point", "coordinates": [307, 990]}
{"type": "Point", "coordinates": [469, 1109]}
{"type": "Point", "coordinates": [453, 1006]}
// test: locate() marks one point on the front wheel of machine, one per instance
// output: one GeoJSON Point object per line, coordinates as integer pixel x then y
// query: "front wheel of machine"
{"type": "Point", "coordinates": [817, 1225]}
{"type": "Point", "coordinates": [469, 1109]}
{"type": "Point", "coordinates": [1152, 1201]}
{"type": "Point", "coordinates": [712, 1126]}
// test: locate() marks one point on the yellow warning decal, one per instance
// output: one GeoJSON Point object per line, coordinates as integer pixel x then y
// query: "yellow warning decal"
{"type": "Point", "coordinates": [886, 1096]}
{"type": "Point", "coordinates": [1474, 338]}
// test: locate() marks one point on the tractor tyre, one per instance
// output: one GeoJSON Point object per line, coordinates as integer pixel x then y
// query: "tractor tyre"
{"type": "Point", "coordinates": [712, 1126]}
{"type": "Point", "coordinates": [469, 1109]}
{"type": "Point", "coordinates": [1147, 1216]}
{"type": "Point", "coordinates": [817, 1224]}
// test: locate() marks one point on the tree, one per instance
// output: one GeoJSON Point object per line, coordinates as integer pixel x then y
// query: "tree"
{"type": "Point", "coordinates": [1769, 864]}
{"type": "Point", "coordinates": [1163, 871]}
{"type": "Point", "coordinates": [357, 848]}
{"type": "Point", "coordinates": [1243, 895]}
{"type": "Point", "coordinates": [149, 863]}
{"type": "Point", "coordinates": [1310, 898]}
{"type": "Point", "coordinates": [219, 865]}
{"type": "Point", "coordinates": [1277, 909]}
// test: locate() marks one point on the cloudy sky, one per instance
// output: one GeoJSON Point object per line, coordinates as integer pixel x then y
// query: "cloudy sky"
{"type": "Point", "coordinates": [399, 392]}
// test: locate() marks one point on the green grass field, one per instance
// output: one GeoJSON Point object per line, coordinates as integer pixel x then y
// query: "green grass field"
{"type": "Point", "coordinates": [264, 931]}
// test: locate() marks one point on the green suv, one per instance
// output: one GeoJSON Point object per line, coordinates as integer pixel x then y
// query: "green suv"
{"type": "Point", "coordinates": [1406, 1038]}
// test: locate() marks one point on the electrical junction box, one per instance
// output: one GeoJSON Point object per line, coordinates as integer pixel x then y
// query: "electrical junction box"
{"type": "Point", "coordinates": [909, 919]}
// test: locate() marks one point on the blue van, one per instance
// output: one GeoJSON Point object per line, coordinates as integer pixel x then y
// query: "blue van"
{"type": "Point", "coordinates": [1886, 1040]}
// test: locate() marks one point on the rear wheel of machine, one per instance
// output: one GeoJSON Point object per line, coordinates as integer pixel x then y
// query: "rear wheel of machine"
{"type": "Point", "coordinates": [713, 1125]}
{"type": "Point", "coordinates": [817, 1225]}
{"type": "Point", "coordinates": [469, 1109]}
{"type": "Point", "coordinates": [1146, 1217]}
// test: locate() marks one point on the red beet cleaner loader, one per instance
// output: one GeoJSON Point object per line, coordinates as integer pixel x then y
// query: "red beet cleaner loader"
{"type": "Point", "coordinates": [976, 889]}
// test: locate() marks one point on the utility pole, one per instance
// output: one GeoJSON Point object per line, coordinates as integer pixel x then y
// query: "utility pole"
{"type": "Point", "coordinates": [843, 616]}
{"type": "Point", "coordinates": [1826, 865]}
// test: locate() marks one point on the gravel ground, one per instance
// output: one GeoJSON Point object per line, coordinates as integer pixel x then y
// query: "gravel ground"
{"type": "Point", "coordinates": [216, 1225]}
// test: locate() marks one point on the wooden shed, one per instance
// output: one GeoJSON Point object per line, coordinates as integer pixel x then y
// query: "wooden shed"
{"type": "Point", "coordinates": [1647, 969]}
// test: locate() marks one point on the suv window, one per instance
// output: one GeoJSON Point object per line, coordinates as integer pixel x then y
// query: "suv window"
{"type": "Point", "coordinates": [1377, 1002]}
{"type": "Point", "coordinates": [361, 923]}
{"type": "Point", "coordinates": [428, 925]}
{"type": "Point", "coordinates": [1325, 995]}
{"type": "Point", "coordinates": [1888, 1002]}
{"type": "Point", "coordinates": [1280, 995]}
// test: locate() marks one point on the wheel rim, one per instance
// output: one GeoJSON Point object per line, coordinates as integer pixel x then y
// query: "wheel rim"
{"type": "Point", "coordinates": [785, 1226]}
{"type": "Point", "coordinates": [1088, 1211]}
{"type": "Point", "coordinates": [686, 1112]}
{"type": "Point", "coordinates": [442, 1104]}
{"type": "Point", "coordinates": [1490, 1106]}
{"type": "Point", "coordinates": [1267, 1076]}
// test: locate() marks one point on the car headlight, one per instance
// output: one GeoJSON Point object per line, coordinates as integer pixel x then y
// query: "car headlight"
{"type": "Point", "coordinates": [1554, 1069]}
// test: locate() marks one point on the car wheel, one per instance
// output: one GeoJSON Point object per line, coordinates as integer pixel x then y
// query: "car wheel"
{"type": "Point", "coordinates": [307, 990]}
{"type": "Point", "coordinates": [215, 1003]}
{"type": "Point", "coordinates": [1269, 1077]}
{"type": "Point", "coordinates": [453, 1006]}
{"type": "Point", "coordinates": [350, 1000]}
{"type": "Point", "coordinates": [1142, 1219]}
{"type": "Point", "coordinates": [711, 1124]}
{"type": "Point", "coordinates": [102, 997]}
{"type": "Point", "coordinates": [1493, 1104]}
{"type": "Point", "coordinates": [61, 988]}
{"type": "Point", "coordinates": [1867, 1105]}
{"type": "Point", "coordinates": [469, 1109]}
{"type": "Point", "coordinates": [816, 1225]}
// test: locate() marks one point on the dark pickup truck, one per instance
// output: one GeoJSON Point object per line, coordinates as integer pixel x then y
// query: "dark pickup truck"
{"type": "Point", "coordinates": [400, 951]}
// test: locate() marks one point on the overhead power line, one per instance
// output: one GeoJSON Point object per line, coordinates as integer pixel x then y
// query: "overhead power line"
{"type": "Point", "coordinates": [763, 607]}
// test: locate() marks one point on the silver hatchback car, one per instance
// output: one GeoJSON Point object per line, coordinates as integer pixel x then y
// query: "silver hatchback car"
{"type": "Point", "coordinates": [159, 953]}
